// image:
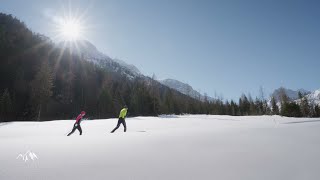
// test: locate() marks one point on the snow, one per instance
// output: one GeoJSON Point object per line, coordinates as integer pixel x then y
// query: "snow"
{"type": "Point", "coordinates": [314, 97]}
{"type": "Point", "coordinates": [184, 89]}
{"type": "Point", "coordinates": [166, 147]}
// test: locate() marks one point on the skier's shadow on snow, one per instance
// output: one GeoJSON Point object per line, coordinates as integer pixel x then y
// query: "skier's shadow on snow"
{"type": "Point", "coordinates": [298, 122]}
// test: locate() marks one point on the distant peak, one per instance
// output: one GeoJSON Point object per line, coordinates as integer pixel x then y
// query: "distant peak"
{"type": "Point", "coordinates": [184, 88]}
{"type": "Point", "coordinates": [292, 94]}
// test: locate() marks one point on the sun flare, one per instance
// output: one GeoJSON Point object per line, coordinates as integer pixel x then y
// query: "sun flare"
{"type": "Point", "coordinates": [70, 29]}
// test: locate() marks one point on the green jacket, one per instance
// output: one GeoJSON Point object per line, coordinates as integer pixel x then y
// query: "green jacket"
{"type": "Point", "coordinates": [123, 113]}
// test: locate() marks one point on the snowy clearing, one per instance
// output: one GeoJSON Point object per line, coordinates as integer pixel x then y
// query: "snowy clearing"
{"type": "Point", "coordinates": [167, 147]}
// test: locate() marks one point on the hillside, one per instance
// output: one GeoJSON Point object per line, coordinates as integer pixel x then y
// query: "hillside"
{"type": "Point", "coordinates": [89, 52]}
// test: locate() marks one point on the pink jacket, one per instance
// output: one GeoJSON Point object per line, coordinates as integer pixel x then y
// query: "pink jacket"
{"type": "Point", "coordinates": [79, 118]}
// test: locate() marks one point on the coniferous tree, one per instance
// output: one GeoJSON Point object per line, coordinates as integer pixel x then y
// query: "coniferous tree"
{"type": "Point", "coordinates": [258, 106]}
{"type": "Point", "coordinates": [244, 105]}
{"type": "Point", "coordinates": [234, 108]}
{"type": "Point", "coordinates": [291, 109]}
{"type": "Point", "coordinates": [155, 95]}
{"type": "Point", "coordinates": [41, 88]}
{"type": "Point", "coordinates": [316, 111]}
{"type": "Point", "coordinates": [228, 108]}
{"type": "Point", "coordinates": [6, 106]}
{"type": "Point", "coordinates": [168, 106]}
{"type": "Point", "coordinates": [105, 104]}
{"type": "Point", "coordinates": [300, 95]}
{"type": "Point", "coordinates": [266, 108]}
{"type": "Point", "coordinates": [252, 107]}
{"type": "Point", "coordinates": [305, 107]}
{"type": "Point", "coordinates": [284, 101]}
{"type": "Point", "coordinates": [275, 108]}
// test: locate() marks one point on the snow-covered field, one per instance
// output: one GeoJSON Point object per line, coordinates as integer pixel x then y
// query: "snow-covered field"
{"type": "Point", "coordinates": [172, 147]}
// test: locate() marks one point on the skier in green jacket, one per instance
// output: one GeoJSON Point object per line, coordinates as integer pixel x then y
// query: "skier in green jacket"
{"type": "Point", "coordinates": [122, 116]}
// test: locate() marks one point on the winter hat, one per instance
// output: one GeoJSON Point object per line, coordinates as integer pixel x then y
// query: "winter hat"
{"type": "Point", "coordinates": [83, 112]}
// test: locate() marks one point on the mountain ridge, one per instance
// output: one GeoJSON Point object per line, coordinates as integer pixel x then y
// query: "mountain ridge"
{"type": "Point", "coordinates": [185, 88]}
{"type": "Point", "coordinates": [292, 94]}
{"type": "Point", "coordinates": [90, 52]}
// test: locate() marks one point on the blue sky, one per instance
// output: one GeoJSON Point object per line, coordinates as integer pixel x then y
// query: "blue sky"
{"type": "Point", "coordinates": [225, 47]}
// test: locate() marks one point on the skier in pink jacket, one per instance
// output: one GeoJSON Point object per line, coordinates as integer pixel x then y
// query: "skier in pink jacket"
{"type": "Point", "coordinates": [77, 123]}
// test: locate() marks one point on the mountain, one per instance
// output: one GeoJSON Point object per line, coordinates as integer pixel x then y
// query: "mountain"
{"type": "Point", "coordinates": [130, 67]}
{"type": "Point", "coordinates": [89, 52]}
{"type": "Point", "coordinates": [292, 94]}
{"type": "Point", "coordinates": [184, 89]}
{"type": "Point", "coordinates": [313, 98]}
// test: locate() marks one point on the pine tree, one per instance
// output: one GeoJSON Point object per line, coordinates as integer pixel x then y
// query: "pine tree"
{"type": "Point", "coordinates": [284, 99]}
{"type": "Point", "coordinates": [6, 108]}
{"type": "Point", "coordinates": [267, 109]}
{"type": "Point", "coordinates": [305, 107]}
{"type": "Point", "coordinates": [300, 95]}
{"type": "Point", "coordinates": [228, 108]}
{"type": "Point", "coordinates": [155, 95]}
{"type": "Point", "coordinates": [168, 106]}
{"type": "Point", "coordinates": [275, 108]}
{"type": "Point", "coordinates": [244, 105]}
{"type": "Point", "coordinates": [104, 104]}
{"type": "Point", "coordinates": [258, 106]}
{"type": "Point", "coordinates": [316, 111]}
{"type": "Point", "coordinates": [41, 88]}
{"type": "Point", "coordinates": [234, 108]}
{"type": "Point", "coordinates": [291, 109]}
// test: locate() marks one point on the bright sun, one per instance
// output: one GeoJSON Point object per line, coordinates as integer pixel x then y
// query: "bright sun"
{"type": "Point", "coordinates": [70, 25]}
{"type": "Point", "coordinates": [70, 29]}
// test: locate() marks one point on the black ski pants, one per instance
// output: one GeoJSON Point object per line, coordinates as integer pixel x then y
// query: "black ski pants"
{"type": "Point", "coordinates": [120, 121]}
{"type": "Point", "coordinates": [76, 126]}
